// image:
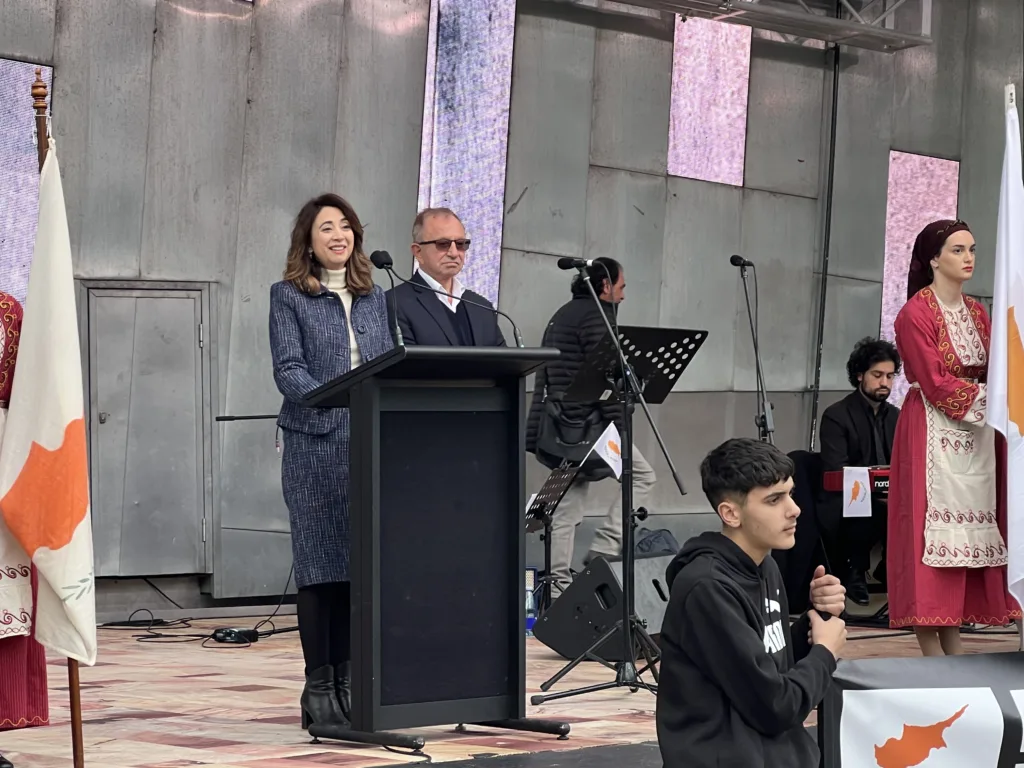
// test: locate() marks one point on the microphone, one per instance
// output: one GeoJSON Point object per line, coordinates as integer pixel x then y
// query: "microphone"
{"type": "Point", "coordinates": [383, 260]}
{"type": "Point", "coordinates": [386, 263]}
{"type": "Point", "coordinates": [739, 261]}
{"type": "Point", "coordinates": [568, 262]}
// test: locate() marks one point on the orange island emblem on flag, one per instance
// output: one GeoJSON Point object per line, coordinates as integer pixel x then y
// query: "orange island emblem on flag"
{"type": "Point", "coordinates": [857, 492]}
{"type": "Point", "coordinates": [1015, 372]}
{"type": "Point", "coordinates": [50, 497]}
{"type": "Point", "coordinates": [915, 745]}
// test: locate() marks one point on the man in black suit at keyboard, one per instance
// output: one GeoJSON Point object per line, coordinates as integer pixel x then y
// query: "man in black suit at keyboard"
{"type": "Point", "coordinates": [858, 431]}
{"type": "Point", "coordinates": [428, 318]}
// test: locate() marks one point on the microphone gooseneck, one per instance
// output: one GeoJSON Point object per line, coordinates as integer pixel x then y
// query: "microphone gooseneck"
{"type": "Point", "coordinates": [383, 260]}
{"type": "Point", "coordinates": [488, 307]}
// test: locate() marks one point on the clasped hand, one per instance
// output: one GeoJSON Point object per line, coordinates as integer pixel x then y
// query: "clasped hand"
{"type": "Point", "coordinates": [828, 595]}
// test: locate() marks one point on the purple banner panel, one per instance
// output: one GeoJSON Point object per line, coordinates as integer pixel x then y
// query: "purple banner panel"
{"type": "Point", "coordinates": [465, 126]}
{"type": "Point", "coordinates": [19, 174]}
{"type": "Point", "coordinates": [922, 189]}
{"type": "Point", "coordinates": [707, 132]}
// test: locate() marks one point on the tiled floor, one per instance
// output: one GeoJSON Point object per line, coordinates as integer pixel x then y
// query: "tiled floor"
{"type": "Point", "coordinates": [177, 705]}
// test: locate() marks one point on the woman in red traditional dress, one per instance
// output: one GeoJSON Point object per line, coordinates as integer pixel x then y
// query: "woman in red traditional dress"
{"type": "Point", "coordinates": [947, 492]}
{"type": "Point", "coordinates": [23, 695]}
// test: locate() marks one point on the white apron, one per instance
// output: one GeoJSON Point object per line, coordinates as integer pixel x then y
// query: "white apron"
{"type": "Point", "coordinates": [961, 530]}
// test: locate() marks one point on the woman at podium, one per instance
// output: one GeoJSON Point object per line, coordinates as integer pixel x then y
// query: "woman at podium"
{"type": "Point", "coordinates": [947, 489]}
{"type": "Point", "coordinates": [326, 318]}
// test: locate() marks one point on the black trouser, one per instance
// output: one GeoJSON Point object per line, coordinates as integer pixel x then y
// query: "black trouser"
{"type": "Point", "coordinates": [325, 621]}
{"type": "Point", "coordinates": [861, 534]}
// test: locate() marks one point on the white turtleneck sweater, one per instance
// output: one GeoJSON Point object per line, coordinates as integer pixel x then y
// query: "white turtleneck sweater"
{"type": "Point", "coordinates": [337, 284]}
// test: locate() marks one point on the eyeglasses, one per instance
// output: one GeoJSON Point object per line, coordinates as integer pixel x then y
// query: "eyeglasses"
{"type": "Point", "coordinates": [444, 244]}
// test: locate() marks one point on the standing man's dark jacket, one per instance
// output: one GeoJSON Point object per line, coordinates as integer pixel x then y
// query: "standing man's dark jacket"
{"type": "Point", "coordinates": [849, 438]}
{"type": "Point", "coordinates": [575, 330]}
{"type": "Point", "coordinates": [425, 321]}
{"type": "Point", "coordinates": [736, 683]}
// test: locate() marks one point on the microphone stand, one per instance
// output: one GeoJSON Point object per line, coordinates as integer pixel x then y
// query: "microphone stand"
{"type": "Point", "coordinates": [635, 389]}
{"type": "Point", "coordinates": [634, 634]}
{"type": "Point", "coordinates": [399, 342]}
{"type": "Point", "coordinates": [764, 420]}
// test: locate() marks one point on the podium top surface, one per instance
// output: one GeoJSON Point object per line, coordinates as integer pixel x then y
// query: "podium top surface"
{"type": "Point", "coordinates": [434, 364]}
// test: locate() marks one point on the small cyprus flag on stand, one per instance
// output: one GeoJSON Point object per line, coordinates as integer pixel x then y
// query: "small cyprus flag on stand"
{"type": "Point", "coordinates": [609, 448]}
{"type": "Point", "coordinates": [856, 492]}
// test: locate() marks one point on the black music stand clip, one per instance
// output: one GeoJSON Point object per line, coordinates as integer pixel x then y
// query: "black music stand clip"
{"type": "Point", "coordinates": [629, 365]}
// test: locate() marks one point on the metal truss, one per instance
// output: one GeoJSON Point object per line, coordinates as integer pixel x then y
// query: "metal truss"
{"type": "Point", "coordinates": [868, 24]}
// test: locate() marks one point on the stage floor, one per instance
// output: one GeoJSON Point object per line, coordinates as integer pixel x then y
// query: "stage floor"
{"type": "Point", "coordinates": [174, 705]}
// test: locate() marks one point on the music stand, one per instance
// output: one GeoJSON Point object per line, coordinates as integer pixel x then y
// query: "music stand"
{"type": "Point", "coordinates": [539, 515]}
{"type": "Point", "coordinates": [653, 360]}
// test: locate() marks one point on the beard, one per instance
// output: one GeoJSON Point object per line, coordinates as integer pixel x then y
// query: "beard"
{"type": "Point", "coordinates": [879, 395]}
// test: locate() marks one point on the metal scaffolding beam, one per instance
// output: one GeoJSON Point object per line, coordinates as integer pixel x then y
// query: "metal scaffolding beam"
{"type": "Point", "coordinates": [870, 25]}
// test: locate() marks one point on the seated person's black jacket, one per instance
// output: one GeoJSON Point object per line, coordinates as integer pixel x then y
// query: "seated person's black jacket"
{"type": "Point", "coordinates": [736, 684]}
{"type": "Point", "coordinates": [847, 441]}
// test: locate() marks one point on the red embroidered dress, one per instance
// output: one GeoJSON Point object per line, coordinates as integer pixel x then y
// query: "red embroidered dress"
{"type": "Point", "coordinates": [23, 694]}
{"type": "Point", "coordinates": [947, 490]}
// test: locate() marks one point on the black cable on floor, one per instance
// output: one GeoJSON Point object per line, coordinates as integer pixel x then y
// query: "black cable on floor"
{"type": "Point", "coordinates": [410, 753]}
{"type": "Point", "coordinates": [149, 627]}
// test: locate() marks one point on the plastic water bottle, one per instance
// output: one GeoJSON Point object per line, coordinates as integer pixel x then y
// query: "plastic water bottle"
{"type": "Point", "coordinates": [531, 612]}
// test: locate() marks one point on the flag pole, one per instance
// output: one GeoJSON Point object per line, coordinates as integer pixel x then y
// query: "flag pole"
{"type": "Point", "coordinates": [39, 93]}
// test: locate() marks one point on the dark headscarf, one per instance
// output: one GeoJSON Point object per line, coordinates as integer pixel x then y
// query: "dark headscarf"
{"type": "Point", "coordinates": [927, 246]}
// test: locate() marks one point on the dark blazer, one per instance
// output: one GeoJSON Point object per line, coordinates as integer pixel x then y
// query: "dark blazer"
{"type": "Point", "coordinates": [309, 343]}
{"type": "Point", "coordinates": [427, 322]}
{"type": "Point", "coordinates": [846, 438]}
{"type": "Point", "coordinates": [846, 441]}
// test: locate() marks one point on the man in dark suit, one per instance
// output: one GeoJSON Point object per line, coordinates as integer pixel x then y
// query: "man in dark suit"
{"type": "Point", "coordinates": [858, 431]}
{"type": "Point", "coordinates": [431, 319]}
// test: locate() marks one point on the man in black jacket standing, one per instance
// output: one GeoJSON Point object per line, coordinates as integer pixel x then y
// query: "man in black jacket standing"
{"type": "Point", "coordinates": [737, 682]}
{"type": "Point", "coordinates": [576, 329]}
{"type": "Point", "coordinates": [427, 317]}
{"type": "Point", "coordinates": [858, 431]}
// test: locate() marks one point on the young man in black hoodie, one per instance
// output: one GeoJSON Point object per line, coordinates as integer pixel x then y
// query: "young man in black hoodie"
{"type": "Point", "coordinates": [736, 682]}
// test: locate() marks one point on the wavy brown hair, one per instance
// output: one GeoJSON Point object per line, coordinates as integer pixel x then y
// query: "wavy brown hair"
{"type": "Point", "coordinates": [303, 270]}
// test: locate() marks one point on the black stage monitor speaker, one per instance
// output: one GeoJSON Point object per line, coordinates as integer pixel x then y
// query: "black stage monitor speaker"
{"type": "Point", "coordinates": [593, 603]}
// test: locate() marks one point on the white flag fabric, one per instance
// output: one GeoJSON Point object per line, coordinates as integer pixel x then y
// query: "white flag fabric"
{"type": "Point", "coordinates": [44, 476]}
{"type": "Point", "coordinates": [856, 492]}
{"type": "Point", "coordinates": [1006, 359]}
{"type": "Point", "coordinates": [609, 448]}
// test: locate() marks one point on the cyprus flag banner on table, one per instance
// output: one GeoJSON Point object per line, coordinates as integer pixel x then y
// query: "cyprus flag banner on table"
{"type": "Point", "coordinates": [940, 727]}
{"type": "Point", "coordinates": [938, 712]}
{"type": "Point", "coordinates": [44, 477]}
{"type": "Point", "coordinates": [1006, 360]}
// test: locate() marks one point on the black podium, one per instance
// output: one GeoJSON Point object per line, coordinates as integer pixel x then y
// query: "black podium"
{"type": "Point", "coordinates": [437, 473]}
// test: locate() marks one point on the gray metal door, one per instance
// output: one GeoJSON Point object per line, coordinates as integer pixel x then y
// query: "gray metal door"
{"type": "Point", "coordinates": [146, 431]}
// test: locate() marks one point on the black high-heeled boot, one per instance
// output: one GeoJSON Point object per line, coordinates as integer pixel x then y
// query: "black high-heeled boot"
{"type": "Point", "coordinates": [5, 763]}
{"type": "Point", "coordinates": [342, 688]}
{"type": "Point", "coordinates": [319, 700]}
